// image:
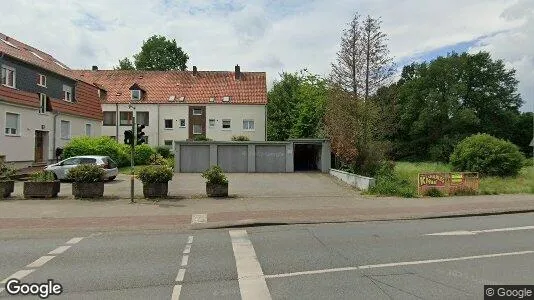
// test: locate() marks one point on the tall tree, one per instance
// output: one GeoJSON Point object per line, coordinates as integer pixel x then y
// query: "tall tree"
{"type": "Point", "coordinates": [124, 64]}
{"type": "Point", "coordinates": [158, 53]}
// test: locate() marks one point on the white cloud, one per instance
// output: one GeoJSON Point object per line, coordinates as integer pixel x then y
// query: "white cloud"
{"type": "Point", "coordinates": [271, 36]}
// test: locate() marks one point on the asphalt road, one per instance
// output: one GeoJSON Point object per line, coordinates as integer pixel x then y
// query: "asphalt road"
{"type": "Point", "coordinates": [373, 260]}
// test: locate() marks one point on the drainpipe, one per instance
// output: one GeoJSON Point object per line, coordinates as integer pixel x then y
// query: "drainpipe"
{"type": "Point", "coordinates": [117, 119]}
{"type": "Point", "coordinates": [158, 125]}
{"type": "Point", "coordinates": [56, 114]}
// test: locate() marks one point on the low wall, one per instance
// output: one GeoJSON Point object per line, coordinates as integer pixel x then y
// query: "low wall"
{"type": "Point", "coordinates": [361, 182]}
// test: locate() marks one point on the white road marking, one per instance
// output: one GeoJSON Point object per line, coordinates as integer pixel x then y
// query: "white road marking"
{"type": "Point", "coordinates": [190, 239]}
{"type": "Point", "coordinates": [74, 240]}
{"type": "Point", "coordinates": [185, 258]}
{"type": "Point", "coordinates": [176, 292]}
{"type": "Point", "coordinates": [59, 250]}
{"type": "Point", "coordinates": [40, 261]}
{"type": "Point", "coordinates": [473, 232]}
{"type": "Point", "coordinates": [180, 276]}
{"type": "Point", "coordinates": [187, 249]}
{"type": "Point", "coordinates": [199, 218]}
{"type": "Point", "coordinates": [397, 264]}
{"type": "Point", "coordinates": [252, 283]}
{"type": "Point", "coordinates": [19, 275]}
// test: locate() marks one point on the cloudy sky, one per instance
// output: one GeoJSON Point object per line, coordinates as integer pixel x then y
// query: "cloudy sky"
{"type": "Point", "coordinates": [273, 35]}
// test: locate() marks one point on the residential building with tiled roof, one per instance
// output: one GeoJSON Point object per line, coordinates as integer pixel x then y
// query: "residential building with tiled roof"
{"type": "Point", "coordinates": [43, 104]}
{"type": "Point", "coordinates": [181, 105]}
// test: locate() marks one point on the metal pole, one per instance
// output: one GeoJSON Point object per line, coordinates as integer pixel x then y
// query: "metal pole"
{"type": "Point", "coordinates": [134, 140]}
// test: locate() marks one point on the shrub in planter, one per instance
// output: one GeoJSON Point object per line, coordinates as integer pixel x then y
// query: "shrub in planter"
{"type": "Point", "coordinates": [164, 151]}
{"type": "Point", "coordinates": [7, 184]}
{"type": "Point", "coordinates": [42, 185]}
{"type": "Point", "coordinates": [142, 154]}
{"type": "Point", "coordinates": [155, 180]}
{"type": "Point", "coordinates": [241, 138]}
{"type": "Point", "coordinates": [487, 155]}
{"type": "Point", "coordinates": [216, 182]}
{"type": "Point", "coordinates": [88, 181]}
{"type": "Point", "coordinates": [157, 159]}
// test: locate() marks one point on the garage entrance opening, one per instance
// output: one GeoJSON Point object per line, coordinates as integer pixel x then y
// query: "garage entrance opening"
{"type": "Point", "coordinates": [307, 157]}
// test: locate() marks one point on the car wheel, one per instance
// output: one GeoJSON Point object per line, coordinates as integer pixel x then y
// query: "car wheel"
{"type": "Point", "coordinates": [55, 176]}
{"type": "Point", "coordinates": [112, 178]}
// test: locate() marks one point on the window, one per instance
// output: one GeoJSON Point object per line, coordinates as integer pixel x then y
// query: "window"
{"type": "Point", "coordinates": [168, 123]}
{"type": "Point", "coordinates": [110, 118]}
{"type": "Point", "coordinates": [42, 80]}
{"type": "Point", "coordinates": [67, 93]}
{"type": "Point", "coordinates": [136, 94]}
{"type": "Point", "coordinates": [168, 143]}
{"type": "Point", "coordinates": [248, 124]}
{"type": "Point", "coordinates": [71, 162]}
{"type": "Point", "coordinates": [87, 161]}
{"type": "Point", "coordinates": [142, 118]}
{"type": "Point", "coordinates": [197, 111]}
{"type": "Point", "coordinates": [9, 76]}
{"type": "Point", "coordinates": [182, 123]}
{"type": "Point", "coordinates": [12, 124]}
{"type": "Point", "coordinates": [42, 103]}
{"type": "Point", "coordinates": [226, 99]}
{"type": "Point", "coordinates": [125, 118]}
{"type": "Point", "coordinates": [212, 122]}
{"type": "Point", "coordinates": [197, 129]}
{"type": "Point", "coordinates": [226, 124]}
{"type": "Point", "coordinates": [65, 130]}
{"type": "Point", "coordinates": [88, 129]}
{"type": "Point", "coordinates": [212, 99]}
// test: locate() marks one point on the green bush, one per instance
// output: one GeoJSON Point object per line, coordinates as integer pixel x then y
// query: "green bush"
{"type": "Point", "coordinates": [164, 151]}
{"type": "Point", "coordinates": [433, 192]}
{"type": "Point", "coordinates": [241, 138]}
{"type": "Point", "coordinates": [487, 155]}
{"type": "Point", "coordinates": [155, 174]}
{"type": "Point", "coordinates": [170, 162]}
{"type": "Point", "coordinates": [42, 176]}
{"type": "Point", "coordinates": [201, 138]}
{"type": "Point", "coordinates": [104, 146]}
{"type": "Point", "coordinates": [157, 159]}
{"type": "Point", "coordinates": [142, 154]}
{"type": "Point", "coordinates": [86, 173]}
{"type": "Point", "coordinates": [7, 172]}
{"type": "Point", "coordinates": [215, 174]}
{"type": "Point", "coordinates": [392, 185]}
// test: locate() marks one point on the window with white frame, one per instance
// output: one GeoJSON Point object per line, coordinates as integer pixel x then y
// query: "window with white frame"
{"type": "Point", "coordinates": [67, 93]}
{"type": "Point", "coordinates": [12, 124]}
{"type": "Point", "coordinates": [168, 123]}
{"type": "Point", "coordinates": [197, 111]}
{"type": "Point", "coordinates": [110, 118]}
{"type": "Point", "coordinates": [142, 118]}
{"type": "Point", "coordinates": [65, 129]}
{"type": "Point", "coordinates": [42, 103]}
{"type": "Point", "coordinates": [248, 125]}
{"type": "Point", "coordinates": [168, 143]}
{"type": "Point", "coordinates": [125, 118]}
{"type": "Point", "coordinates": [9, 76]}
{"type": "Point", "coordinates": [42, 80]}
{"type": "Point", "coordinates": [212, 123]}
{"type": "Point", "coordinates": [88, 129]}
{"type": "Point", "coordinates": [136, 94]}
{"type": "Point", "coordinates": [182, 123]}
{"type": "Point", "coordinates": [197, 129]}
{"type": "Point", "coordinates": [226, 123]}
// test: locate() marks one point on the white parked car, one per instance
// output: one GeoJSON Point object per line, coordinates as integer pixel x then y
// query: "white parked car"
{"type": "Point", "coordinates": [61, 169]}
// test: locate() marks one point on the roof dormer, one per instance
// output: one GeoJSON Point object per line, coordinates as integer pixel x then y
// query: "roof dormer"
{"type": "Point", "coordinates": [136, 92]}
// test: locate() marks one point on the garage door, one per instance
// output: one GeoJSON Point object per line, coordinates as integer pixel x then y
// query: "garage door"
{"type": "Point", "coordinates": [270, 159]}
{"type": "Point", "coordinates": [194, 158]}
{"type": "Point", "coordinates": [233, 159]}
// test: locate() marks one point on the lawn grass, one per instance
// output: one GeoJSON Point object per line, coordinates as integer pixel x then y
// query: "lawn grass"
{"type": "Point", "coordinates": [128, 170]}
{"type": "Point", "coordinates": [404, 180]}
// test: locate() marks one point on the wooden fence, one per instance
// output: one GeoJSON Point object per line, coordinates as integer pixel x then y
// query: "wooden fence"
{"type": "Point", "coordinates": [449, 183]}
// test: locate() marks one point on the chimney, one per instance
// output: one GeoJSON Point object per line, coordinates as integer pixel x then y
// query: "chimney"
{"type": "Point", "coordinates": [95, 68]}
{"type": "Point", "coordinates": [195, 72]}
{"type": "Point", "coordinates": [237, 72]}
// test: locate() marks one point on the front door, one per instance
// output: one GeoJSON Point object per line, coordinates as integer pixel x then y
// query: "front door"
{"type": "Point", "coordinates": [39, 146]}
{"type": "Point", "coordinates": [197, 121]}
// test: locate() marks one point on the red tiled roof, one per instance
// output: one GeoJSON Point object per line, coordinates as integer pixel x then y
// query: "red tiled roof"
{"type": "Point", "coordinates": [159, 86]}
{"type": "Point", "coordinates": [23, 52]}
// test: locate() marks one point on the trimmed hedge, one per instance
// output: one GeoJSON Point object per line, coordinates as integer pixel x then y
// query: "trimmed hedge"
{"type": "Point", "coordinates": [103, 145]}
{"type": "Point", "coordinates": [487, 155]}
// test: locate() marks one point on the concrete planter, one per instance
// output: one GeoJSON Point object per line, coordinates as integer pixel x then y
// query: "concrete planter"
{"type": "Point", "coordinates": [6, 188]}
{"type": "Point", "coordinates": [217, 189]}
{"type": "Point", "coordinates": [48, 189]}
{"type": "Point", "coordinates": [361, 182]}
{"type": "Point", "coordinates": [156, 189]}
{"type": "Point", "coordinates": [88, 189]}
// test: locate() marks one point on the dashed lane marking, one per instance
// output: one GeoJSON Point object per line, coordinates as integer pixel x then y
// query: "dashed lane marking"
{"type": "Point", "coordinates": [185, 258]}
{"type": "Point", "coordinates": [473, 232]}
{"type": "Point", "coordinates": [74, 240]}
{"type": "Point", "coordinates": [190, 239]}
{"type": "Point", "coordinates": [176, 292]}
{"type": "Point", "coordinates": [59, 250]}
{"type": "Point", "coordinates": [187, 249]}
{"type": "Point", "coordinates": [40, 261]}
{"type": "Point", "coordinates": [18, 275]}
{"type": "Point", "coordinates": [180, 276]}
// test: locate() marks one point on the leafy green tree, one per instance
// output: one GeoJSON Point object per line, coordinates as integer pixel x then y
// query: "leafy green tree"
{"type": "Point", "coordinates": [124, 64]}
{"type": "Point", "coordinates": [160, 54]}
{"type": "Point", "coordinates": [296, 106]}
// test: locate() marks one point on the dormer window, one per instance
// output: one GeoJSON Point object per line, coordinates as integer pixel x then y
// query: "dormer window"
{"type": "Point", "coordinates": [136, 94]}
{"type": "Point", "coordinates": [226, 99]}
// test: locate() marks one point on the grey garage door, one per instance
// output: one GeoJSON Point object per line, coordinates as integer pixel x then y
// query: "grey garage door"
{"type": "Point", "coordinates": [194, 158]}
{"type": "Point", "coordinates": [270, 159]}
{"type": "Point", "coordinates": [233, 159]}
